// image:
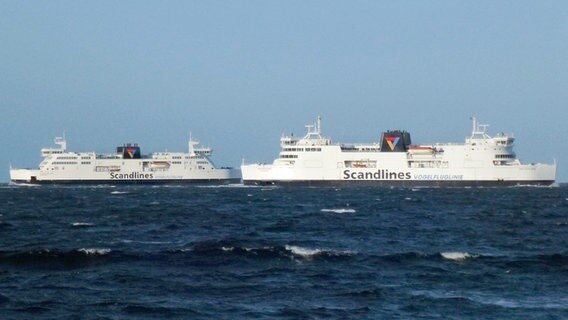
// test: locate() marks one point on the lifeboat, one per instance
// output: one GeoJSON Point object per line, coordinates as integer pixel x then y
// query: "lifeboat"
{"type": "Point", "coordinates": [358, 165]}
{"type": "Point", "coordinates": [420, 150]}
{"type": "Point", "coordinates": [159, 164]}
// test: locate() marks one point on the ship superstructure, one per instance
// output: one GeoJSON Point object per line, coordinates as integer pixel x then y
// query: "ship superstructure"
{"type": "Point", "coordinates": [126, 165]}
{"type": "Point", "coordinates": [394, 161]}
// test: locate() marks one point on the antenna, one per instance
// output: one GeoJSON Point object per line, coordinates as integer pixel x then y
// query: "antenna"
{"type": "Point", "coordinates": [192, 143]}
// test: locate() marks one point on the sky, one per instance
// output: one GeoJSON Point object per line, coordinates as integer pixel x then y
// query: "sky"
{"type": "Point", "coordinates": [238, 74]}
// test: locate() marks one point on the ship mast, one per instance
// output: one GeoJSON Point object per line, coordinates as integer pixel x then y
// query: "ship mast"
{"type": "Point", "coordinates": [61, 142]}
{"type": "Point", "coordinates": [192, 143]}
{"type": "Point", "coordinates": [479, 131]}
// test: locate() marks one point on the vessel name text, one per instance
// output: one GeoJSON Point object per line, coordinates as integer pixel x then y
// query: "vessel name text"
{"type": "Point", "coordinates": [381, 174]}
{"type": "Point", "coordinates": [132, 175]}
{"type": "Point", "coordinates": [438, 177]}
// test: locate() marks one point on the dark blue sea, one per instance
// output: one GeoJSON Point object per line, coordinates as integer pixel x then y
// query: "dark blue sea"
{"type": "Point", "coordinates": [235, 252]}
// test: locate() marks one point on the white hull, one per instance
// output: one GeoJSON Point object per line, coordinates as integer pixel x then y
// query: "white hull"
{"type": "Point", "coordinates": [538, 174]}
{"type": "Point", "coordinates": [126, 166]}
{"type": "Point", "coordinates": [78, 175]}
{"type": "Point", "coordinates": [482, 160]}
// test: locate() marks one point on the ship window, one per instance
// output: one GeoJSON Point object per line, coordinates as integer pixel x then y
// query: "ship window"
{"type": "Point", "coordinates": [504, 156]}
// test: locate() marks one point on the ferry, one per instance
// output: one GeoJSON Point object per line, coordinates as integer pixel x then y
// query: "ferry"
{"type": "Point", "coordinates": [126, 165]}
{"type": "Point", "coordinates": [482, 160]}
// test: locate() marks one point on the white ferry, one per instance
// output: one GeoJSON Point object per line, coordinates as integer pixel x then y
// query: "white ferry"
{"type": "Point", "coordinates": [393, 161]}
{"type": "Point", "coordinates": [127, 165]}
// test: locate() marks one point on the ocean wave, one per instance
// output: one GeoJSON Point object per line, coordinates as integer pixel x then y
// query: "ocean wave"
{"type": "Point", "coordinates": [366, 293]}
{"type": "Point", "coordinates": [262, 252]}
{"type": "Point", "coordinates": [144, 242]}
{"type": "Point", "coordinates": [310, 253]}
{"type": "Point", "coordinates": [458, 256]}
{"type": "Point", "coordinates": [413, 256]}
{"type": "Point", "coordinates": [543, 302]}
{"type": "Point", "coordinates": [5, 224]}
{"type": "Point", "coordinates": [95, 251]}
{"type": "Point", "coordinates": [82, 224]}
{"type": "Point", "coordinates": [56, 258]}
{"type": "Point", "coordinates": [303, 252]}
{"type": "Point", "coordinates": [25, 185]}
{"type": "Point", "coordinates": [500, 300]}
{"type": "Point", "coordinates": [553, 260]}
{"type": "Point", "coordinates": [4, 299]}
{"type": "Point", "coordinates": [160, 310]}
{"type": "Point", "coordinates": [339, 210]}
{"type": "Point", "coordinates": [119, 192]}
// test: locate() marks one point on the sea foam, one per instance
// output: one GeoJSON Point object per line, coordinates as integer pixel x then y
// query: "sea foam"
{"type": "Point", "coordinates": [310, 253]}
{"type": "Point", "coordinates": [458, 256]}
{"type": "Point", "coordinates": [340, 210]}
{"type": "Point", "coordinates": [303, 252]}
{"type": "Point", "coordinates": [119, 192]}
{"type": "Point", "coordinates": [82, 224]}
{"type": "Point", "coordinates": [95, 251]}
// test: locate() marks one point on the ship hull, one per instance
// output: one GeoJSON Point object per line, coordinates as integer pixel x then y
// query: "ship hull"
{"type": "Point", "coordinates": [403, 184]}
{"type": "Point", "coordinates": [396, 176]}
{"type": "Point", "coordinates": [139, 182]}
{"type": "Point", "coordinates": [217, 176]}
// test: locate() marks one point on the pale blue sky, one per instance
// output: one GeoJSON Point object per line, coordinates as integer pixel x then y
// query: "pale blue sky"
{"type": "Point", "coordinates": [239, 73]}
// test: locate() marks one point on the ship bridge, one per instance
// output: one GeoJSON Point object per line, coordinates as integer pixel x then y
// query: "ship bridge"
{"type": "Point", "coordinates": [312, 138]}
{"type": "Point", "coordinates": [61, 142]}
{"type": "Point", "coordinates": [479, 136]}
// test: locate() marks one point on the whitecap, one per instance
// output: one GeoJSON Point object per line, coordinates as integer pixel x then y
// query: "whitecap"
{"type": "Point", "coordinates": [458, 256]}
{"type": "Point", "coordinates": [19, 184]}
{"type": "Point", "coordinates": [95, 251]}
{"type": "Point", "coordinates": [119, 192]}
{"type": "Point", "coordinates": [339, 210]}
{"type": "Point", "coordinates": [303, 252]}
{"type": "Point", "coordinates": [82, 224]}
{"type": "Point", "coordinates": [227, 249]}
{"type": "Point", "coordinates": [309, 253]}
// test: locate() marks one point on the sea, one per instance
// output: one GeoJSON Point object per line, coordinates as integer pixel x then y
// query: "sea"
{"type": "Point", "coordinates": [239, 252]}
